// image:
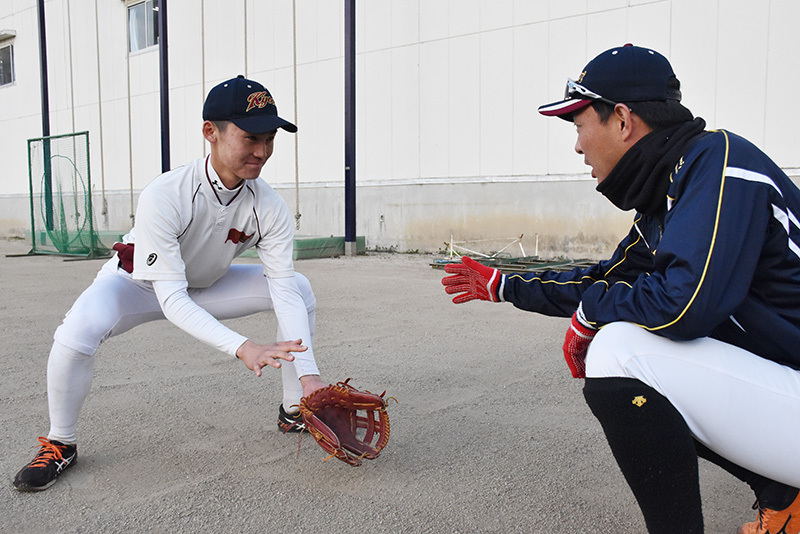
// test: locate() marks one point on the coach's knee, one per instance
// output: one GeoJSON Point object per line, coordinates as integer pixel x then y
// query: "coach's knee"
{"type": "Point", "coordinates": [612, 348]}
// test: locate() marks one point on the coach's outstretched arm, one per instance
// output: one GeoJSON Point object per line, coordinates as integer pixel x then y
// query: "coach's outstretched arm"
{"type": "Point", "coordinates": [471, 280]}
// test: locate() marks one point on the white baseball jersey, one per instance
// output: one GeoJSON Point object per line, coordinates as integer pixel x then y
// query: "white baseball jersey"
{"type": "Point", "coordinates": [189, 228]}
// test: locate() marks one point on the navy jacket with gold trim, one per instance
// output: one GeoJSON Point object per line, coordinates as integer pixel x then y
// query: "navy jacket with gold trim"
{"type": "Point", "coordinates": [724, 263]}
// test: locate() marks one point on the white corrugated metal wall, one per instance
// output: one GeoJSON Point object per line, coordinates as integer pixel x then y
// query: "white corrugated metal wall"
{"type": "Point", "coordinates": [449, 141]}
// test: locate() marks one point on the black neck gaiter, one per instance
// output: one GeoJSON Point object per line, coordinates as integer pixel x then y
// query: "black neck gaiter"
{"type": "Point", "coordinates": [640, 179]}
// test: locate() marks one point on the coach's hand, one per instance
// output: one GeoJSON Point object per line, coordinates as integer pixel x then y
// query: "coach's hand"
{"type": "Point", "coordinates": [256, 356]}
{"type": "Point", "coordinates": [576, 343]}
{"type": "Point", "coordinates": [473, 280]}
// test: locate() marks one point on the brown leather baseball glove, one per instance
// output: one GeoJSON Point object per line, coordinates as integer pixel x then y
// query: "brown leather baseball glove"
{"type": "Point", "coordinates": [350, 424]}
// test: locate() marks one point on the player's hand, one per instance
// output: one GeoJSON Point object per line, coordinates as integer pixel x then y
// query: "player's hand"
{"type": "Point", "coordinates": [311, 383]}
{"type": "Point", "coordinates": [576, 344]}
{"type": "Point", "coordinates": [473, 280]}
{"type": "Point", "coordinates": [256, 356]}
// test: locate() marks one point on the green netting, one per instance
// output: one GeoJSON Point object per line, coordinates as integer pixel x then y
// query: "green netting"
{"type": "Point", "coordinates": [62, 220]}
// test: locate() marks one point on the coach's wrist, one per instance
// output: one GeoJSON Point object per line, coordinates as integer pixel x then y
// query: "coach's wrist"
{"type": "Point", "coordinates": [580, 317]}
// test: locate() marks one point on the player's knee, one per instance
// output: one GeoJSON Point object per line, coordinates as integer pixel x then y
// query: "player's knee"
{"type": "Point", "coordinates": [307, 291]}
{"type": "Point", "coordinates": [83, 331]}
{"type": "Point", "coordinates": [64, 351]}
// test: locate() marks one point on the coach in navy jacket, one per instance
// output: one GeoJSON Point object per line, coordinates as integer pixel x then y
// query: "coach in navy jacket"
{"type": "Point", "coordinates": [689, 335]}
{"type": "Point", "coordinates": [720, 259]}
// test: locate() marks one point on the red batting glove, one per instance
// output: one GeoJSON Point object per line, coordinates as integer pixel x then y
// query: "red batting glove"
{"type": "Point", "coordinates": [472, 280]}
{"type": "Point", "coordinates": [576, 344]}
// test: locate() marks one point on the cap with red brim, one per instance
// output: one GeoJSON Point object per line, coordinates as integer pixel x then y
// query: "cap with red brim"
{"type": "Point", "coordinates": [564, 107]}
{"type": "Point", "coordinates": [622, 74]}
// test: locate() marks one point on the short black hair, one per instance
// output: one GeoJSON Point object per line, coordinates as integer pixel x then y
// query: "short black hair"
{"type": "Point", "coordinates": [221, 125]}
{"type": "Point", "coordinates": [657, 114]}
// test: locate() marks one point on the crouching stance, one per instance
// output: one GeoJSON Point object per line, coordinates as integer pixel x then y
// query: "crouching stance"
{"type": "Point", "coordinates": [688, 335]}
{"type": "Point", "coordinates": [176, 263]}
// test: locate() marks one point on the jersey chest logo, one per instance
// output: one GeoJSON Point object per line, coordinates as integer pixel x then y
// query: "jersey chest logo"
{"type": "Point", "coordinates": [237, 236]}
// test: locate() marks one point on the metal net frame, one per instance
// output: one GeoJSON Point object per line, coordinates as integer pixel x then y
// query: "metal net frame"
{"type": "Point", "coordinates": [62, 219]}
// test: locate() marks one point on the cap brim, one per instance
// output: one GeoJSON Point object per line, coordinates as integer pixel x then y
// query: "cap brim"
{"type": "Point", "coordinates": [263, 123]}
{"type": "Point", "coordinates": [564, 107]}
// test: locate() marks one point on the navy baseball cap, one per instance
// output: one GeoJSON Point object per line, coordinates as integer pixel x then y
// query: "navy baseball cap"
{"type": "Point", "coordinates": [624, 74]}
{"type": "Point", "coordinates": [245, 103]}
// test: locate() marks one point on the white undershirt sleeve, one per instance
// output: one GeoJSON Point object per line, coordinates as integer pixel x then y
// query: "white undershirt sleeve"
{"type": "Point", "coordinates": [186, 314]}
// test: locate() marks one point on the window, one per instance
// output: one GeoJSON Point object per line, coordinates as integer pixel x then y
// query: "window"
{"type": "Point", "coordinates": [142, 25]}
{"type": "Point", "coordinates": [6, 64]}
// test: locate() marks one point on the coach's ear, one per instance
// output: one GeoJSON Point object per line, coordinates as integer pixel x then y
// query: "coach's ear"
{"type": "Point", "coordinates": [210, 131]}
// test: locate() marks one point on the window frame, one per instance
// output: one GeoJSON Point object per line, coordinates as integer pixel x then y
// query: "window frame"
{"type": "Point", "coordinates": [150, 20]}
{"type": "Point", "coordinates": [10, 47]}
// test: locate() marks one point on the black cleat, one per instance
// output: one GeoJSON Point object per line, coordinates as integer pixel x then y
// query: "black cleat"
{"type": "Point", "coordinates": [290, 422]}
{"type": "Point", "coordinates": [53, 458]}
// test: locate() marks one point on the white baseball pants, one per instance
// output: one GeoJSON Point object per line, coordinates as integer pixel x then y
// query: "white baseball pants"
{"type": "Point", "coordinates": [741, 406]}
{"type": "Point", "coordinates": [115, 303]}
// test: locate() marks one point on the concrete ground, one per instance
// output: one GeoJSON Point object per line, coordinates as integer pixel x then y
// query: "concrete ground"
{"type": "Point", "coordinates": [490, 432]}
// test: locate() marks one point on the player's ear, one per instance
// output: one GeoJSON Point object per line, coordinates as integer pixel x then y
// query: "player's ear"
{"type": "Point", "coordinates": [210, 131]}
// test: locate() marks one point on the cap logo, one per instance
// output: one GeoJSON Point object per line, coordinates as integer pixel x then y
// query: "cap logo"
{"type": "Point", "coordinates": [258, 100]}
{"type": "Point", "coordinates": [580, 78]}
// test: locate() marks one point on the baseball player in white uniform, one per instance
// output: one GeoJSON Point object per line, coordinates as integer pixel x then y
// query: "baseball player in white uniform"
{"type": "Point", "coordinates": [191, 223]}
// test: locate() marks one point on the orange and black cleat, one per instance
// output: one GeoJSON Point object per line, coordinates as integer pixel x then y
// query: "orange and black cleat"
{"type": "Point", "coordinates": [53, 458]}
{"type": "Point", "coordinates": [786, 521]}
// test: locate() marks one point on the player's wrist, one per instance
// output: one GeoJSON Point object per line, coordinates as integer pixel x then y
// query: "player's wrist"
{"type": "Point", "coordinates": [241, 350]}
{"type": "Point", "coordinates": [311, 383]}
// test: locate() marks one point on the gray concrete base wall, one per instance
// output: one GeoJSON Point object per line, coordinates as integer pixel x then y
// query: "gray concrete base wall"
{"type": "Point", "coordinates": [556, 217]}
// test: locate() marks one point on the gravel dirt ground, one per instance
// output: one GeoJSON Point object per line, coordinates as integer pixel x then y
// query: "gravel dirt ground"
{"type": "Point", "coordinates": [489, 434]}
